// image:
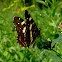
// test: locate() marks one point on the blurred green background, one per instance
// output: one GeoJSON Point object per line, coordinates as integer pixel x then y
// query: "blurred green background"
{"type": "Point", "coordinates": [47, 15]}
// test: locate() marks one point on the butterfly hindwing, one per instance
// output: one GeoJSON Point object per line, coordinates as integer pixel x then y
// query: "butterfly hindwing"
{"type": "Point", "coordinates": [20, 24]}
{"type": "Point", "coordinates": [26, 29]}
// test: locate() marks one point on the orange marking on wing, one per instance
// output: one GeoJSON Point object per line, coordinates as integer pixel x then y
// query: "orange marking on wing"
{"type": "Point", "coordinates": [19, 30]}
{"type": "Point", "coordinates": [21, 41]}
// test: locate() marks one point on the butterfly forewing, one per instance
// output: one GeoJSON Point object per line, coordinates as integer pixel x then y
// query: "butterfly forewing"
{"type": "Point", "coordinates": [32, 28]}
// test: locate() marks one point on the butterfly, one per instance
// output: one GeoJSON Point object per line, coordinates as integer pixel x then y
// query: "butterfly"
{"type": "Point", "coordinates": [26, 29]}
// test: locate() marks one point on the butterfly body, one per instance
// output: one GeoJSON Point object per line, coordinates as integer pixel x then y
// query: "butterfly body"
{"type": "Point", "coordinates": [26, 29]}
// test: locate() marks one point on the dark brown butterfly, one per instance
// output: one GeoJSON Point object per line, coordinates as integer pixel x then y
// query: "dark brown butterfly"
{"type": "Point", "coordinates": [26, 29]}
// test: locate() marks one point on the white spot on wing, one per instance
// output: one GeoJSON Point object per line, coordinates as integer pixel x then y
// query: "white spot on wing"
{"type": "Point", "coordinates": [31, 35]}
{"type": "Point", "coordinates": [30, 26]}
{"type": "Point", "coordinates": [19, 18]}
{"type": "Point", "coordinates": [30, 19]}
{"type": "Point", "coordinates": [27, 18]}
{"type": "Point", "coordinates": [18, 23]}
{"type": "Point", "coordinates": [24, 29]}
{"type": "Point", "coordinates": [23, 23]}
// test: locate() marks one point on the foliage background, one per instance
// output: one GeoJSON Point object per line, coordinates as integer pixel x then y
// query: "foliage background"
{"type": "Point", "coordinates": [47, 15]}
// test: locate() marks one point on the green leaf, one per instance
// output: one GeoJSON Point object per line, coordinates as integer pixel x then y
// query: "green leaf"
{"type": "Point", "coordinates": [59, 39]}
{"type": "Point", "coordinates": [42, 2]}
{"type": "Point", "coordinates": [55, 9]}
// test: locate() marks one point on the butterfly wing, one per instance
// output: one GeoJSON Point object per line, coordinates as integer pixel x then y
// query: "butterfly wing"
{"type": "Point", "coordinates": [26, 29]}
{"type": "Point", "coordinates": [20, 24]}
{"type": "Point", "coordinates": [33, 31]}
